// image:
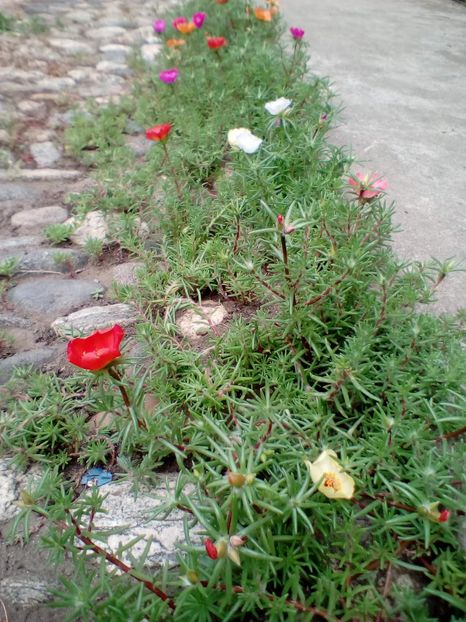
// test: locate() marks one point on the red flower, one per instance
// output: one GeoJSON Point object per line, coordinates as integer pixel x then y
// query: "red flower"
{"type": "Point", "coordinates": [159, 132]}
{"type": "Point", "coordinates": [444, 516]}
{"type": "Point", "coordinates": [96, 351]}
{"type": "Point", "coordinates": [216, 42]}
{"type": "Point", "coordinates": [210, 548]}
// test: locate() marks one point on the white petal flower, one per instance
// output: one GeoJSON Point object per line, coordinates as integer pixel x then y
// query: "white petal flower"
{"type": "Point", "coordinates": [334, 483]}
{"type": "Point", "coordinates": [278, 106]}
{"type": "Point", "coordinates": [244, 139]}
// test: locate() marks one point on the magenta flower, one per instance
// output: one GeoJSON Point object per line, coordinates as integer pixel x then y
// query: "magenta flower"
{"type": "Point", "coordinates": [179, 20]}
{"type": "Point", "coordinates": [297, 33]}
{"type": "Point", "coordinates": [169, 76]}
{"type": "Point", "coordinates": [198, 19]}
{"type": "Point", "coordinates": [159, 26]}
{"type": "Point", "coordinates": [368, 186]}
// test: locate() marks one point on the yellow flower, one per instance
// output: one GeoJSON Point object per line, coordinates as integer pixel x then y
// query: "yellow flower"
{"type": "Point", "coordinates": [334, 483]}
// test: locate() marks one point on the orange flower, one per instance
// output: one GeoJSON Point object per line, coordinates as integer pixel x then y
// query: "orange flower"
{"type": "Point", "coordinates": [186, 28]}
{"type": "Point", "coordinates": [221, 1]}
{"type": "Point", "coordinates": [175, 43]}
{"type": "Point", "coordinates": [264, 15]}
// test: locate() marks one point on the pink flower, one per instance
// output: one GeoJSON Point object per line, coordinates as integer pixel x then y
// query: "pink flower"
{"type": "Point", "coordinates": [159, 26]}
{"type": "Point", "coordinates": [368, 186]}
{"type": "Point", "coordinates": [297, 33]}
{"type": "Point", "coordinates": [198, 19]}
{"type": "Point", "coordinates": [169, 76]}
{"type": "Point", "coordinates": [179, 20]}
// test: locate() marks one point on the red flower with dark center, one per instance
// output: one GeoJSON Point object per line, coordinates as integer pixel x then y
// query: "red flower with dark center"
{"type": "Point", "coordinates": [96, 351]}
{"type": "Point", "coordinates": [159, 132]}
{"type": "Point", "coordinates": [210, 548]}
{"type": "Point", "coordinates": [216, 42]}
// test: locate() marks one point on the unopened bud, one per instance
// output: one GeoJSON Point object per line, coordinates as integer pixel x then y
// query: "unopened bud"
{"type": "Point", "coordinates": [238, 541]}
{"type": "Point", "coordinates": [210, 548]}
{"type": "Point", "coordinates": [234, 555]}
{"type": "Point", "coordinates": [280, 222]}
{"type": "Point", "coordinates": [236, 479]}
{"type": "Point", "coordinates": [444, 516]}
{"type": "Point", "coordinates": [222, 548]}
{"type": "Point", "coordinates": [25, 499]}
{"type": "Point", "coordinates": [250, 477]}
{"type": "Point", "coordinates": [192, 576]}
{"type": "Point", "coordinates": [432, 512]}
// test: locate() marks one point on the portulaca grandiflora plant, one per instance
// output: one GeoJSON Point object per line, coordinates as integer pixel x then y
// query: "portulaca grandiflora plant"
{"type": "Point", "coordinates": [316, 434]}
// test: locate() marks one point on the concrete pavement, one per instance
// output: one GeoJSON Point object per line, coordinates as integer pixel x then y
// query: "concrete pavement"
{"type": "Point", "coordinates": [399, 69]}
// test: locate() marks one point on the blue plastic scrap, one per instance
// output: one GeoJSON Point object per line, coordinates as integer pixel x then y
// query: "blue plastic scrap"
{"type": "Point", "coordinates": [96, 477]}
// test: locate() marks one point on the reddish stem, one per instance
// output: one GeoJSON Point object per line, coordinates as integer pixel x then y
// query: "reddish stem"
{"type": "Point", "coordinates": [118, 562]}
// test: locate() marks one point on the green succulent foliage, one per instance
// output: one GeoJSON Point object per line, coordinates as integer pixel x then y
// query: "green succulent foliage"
{"type": "Point", "coordinates": [325, 346]}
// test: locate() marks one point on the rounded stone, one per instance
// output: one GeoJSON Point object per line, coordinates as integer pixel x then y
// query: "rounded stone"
{"type": "Point", "coordinates": [198, 321]}
{"type": "Point", "coordinates": [106, 66]}
{"type": "Point", "coordinates": [37, 358]}
{"type": "Point", "coordinates": [149, 51]}
{"type": "Point", "coordinates": [39, 216]}
{"type": "Point", "coordinates": [52, 296]}
{"type": "Point", "coordinates": [95, 318]}
{"type": "Point", "coordinates": [72, 46]}
{"type": "Point", "coordinates": [128, 516]}
{"type": "Point", "coordinates": [45, 154]}
{"type": "Point", "coordinates": [115, 53]}
{"type": "Point", "coordinates": [93, 226]}
{"type": "Point", "coordinates": [26, 592]}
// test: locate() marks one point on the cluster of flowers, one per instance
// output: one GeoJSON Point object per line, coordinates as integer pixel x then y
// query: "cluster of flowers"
{"type": "Point", "coordinates": [100, 352]}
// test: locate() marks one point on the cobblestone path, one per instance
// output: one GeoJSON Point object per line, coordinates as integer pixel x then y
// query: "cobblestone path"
{"type": "Point", "coordinates": [82, 53]}
{"type": "Point", "coordinates": [62, 54]}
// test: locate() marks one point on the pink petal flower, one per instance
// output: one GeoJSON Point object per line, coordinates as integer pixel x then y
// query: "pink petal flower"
{"type": "Point", "coordinates": [297, 33]}
{"type": "Point", "coordinates": [159, 26]}
{"type": "Point", "coordinates": [368, 186]}
{"type": "Point", "coordinates": [198, 19]}
{"type": "Point", "coordinates": [179, 20]}
{"type": "Point", "coordinates": [169, 76]}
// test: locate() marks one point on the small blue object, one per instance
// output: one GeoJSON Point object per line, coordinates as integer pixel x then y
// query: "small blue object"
{"type": "Point", "coordinates": [96, 477]}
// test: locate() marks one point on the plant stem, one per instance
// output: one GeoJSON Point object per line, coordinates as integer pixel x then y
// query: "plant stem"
{"type": "Point", "coordinates": [112, 559]}
{"type": "Point", "coordinates": [173, 171]}
{"type": "Point", "coordinates": [124, 394]}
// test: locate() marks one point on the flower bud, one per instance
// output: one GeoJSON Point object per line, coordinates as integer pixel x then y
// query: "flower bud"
{"type": "Point", "coordinates": [234, 555]}
{"type": "Point", "coordinates": [222, 548]}
{"type": "Point", "coordinates": [444, 516]}
{"type": "Point", "coordinates": [237, 480]}
{"type": "Point", "coordinates": [237, 541]}
{"type": "Point", "coordinates": [250, 477]}
{"type": "Point", "coordinates": [432, 512]}
{"type": "Point", "coordinates": [210, 548]}
{"type": "Point", "coordinates": [25, 499]}
{"type": "Point", "coordinates": [280, 222]}
{"type": "Point", "coordinates": [192, 576]}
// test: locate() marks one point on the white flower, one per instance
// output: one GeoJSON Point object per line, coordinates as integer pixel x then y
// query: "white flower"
{"type": "Point", "coordinates": [334, 484]}
{"type": "Point", "coordinates": [278, 105]}
{"type": "Point", "coordinates": [244, 139]}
